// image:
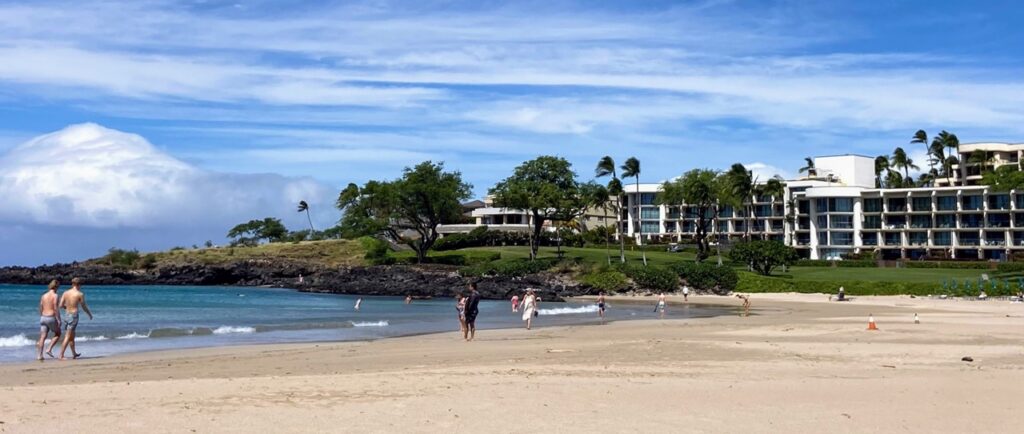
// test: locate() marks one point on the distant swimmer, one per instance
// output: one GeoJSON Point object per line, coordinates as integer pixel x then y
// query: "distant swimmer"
{"type": "Point", "coordinates": [515, 303]}
{"type": "Point", "coordinates": [71, 301]}
{"type": "Point", "coordinates": [600, 305]}
{"type": "Point", "coordinates": [472, 310]}
{"type": "Point", "coordinates": [359, 301]}
{"type": "Point", "coordinates": [49, 320]}
{"type": "Point", "coordinates": [661, 305]}
{"type": "Point", "coordinates": [301, 280]}
{"type": "Point", "coordinates": [408, 299]}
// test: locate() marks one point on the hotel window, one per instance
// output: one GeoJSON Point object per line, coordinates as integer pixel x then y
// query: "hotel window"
{"type": "Point", "coordinates": [872, 205]}
{"type": "Point", "coordinates": [803, 239]}
{"type": "Point", "coordinates": [671, 227]}
{"type": "Point", "coordinates": [945, 203]}
{"type": "Point", "coordinates": [893, 239]}
{"type": "Point", "coordinates": [942, 238]}
{"type": "Point", "coordinates": [687, 226]}
{"type": "Point", "coordinates": [918, 238]}
{"type": "Point", "coordinates": [650, 227]}
{"type": "Point", "coordinates": [998, 220]}
{"type": "Point", "coordinates": [842, 222]}
{"type": "Point", "coordinates": [870, 238]}
{"type": "Point", "coordinates": [1020, 200]}
{"type": "Point", "coordinates": [971, 203]}
{"type": "Point", "coordinates": [840, 204]}
{"type": "Point", "coordinates": [778, 210]}
{"type": "Point", "coordinates": [650, 213]}
{"type": "Point", "coordinates": [647, 198]}
{"type": "Point", "coordinates": [872, 222]}
{"type": "Point", "coordinates": [723, 226]}
{"type": "Point", "coordinates": [995, 238]}
{"type": "Point", "coordinates": [970, 221]}
{"type": "Point", "coordinates": [897, 204]}
{"type": "Point", "coordinates": [821, 205]}
{"type": "Point", "coordinates": [726, 211]}
{"type": "Point", "coordinates": [804, 223]}
{"type": "Point", "coordinates": [822, 221]}
{"type": "Point", "coordinates": [921, 204]}
{"type": "Point", "coordinates": [921, 221]}
{"type": "Point", "coordinates": [823, 238]}
{"type": "Point", "coordinates": [737, 226]}
{"type": "Point", "coordinates": [762, 211]}
{"type": "Point", "coordinates": [777, 226]}
{"type": "Point", "coordinates": [673, 213]}
{"type": "Point", "coordinates": [895, 222]}
{"type": "Point", "coordinates": [804, 206]}
{"type": "Point", "coordinates": [968, 238]}
{"type": "Point", "coordinates": [842, 238]}
{"type": "Point", "coordinates": [999, 201]}
{"type": "Point", "coordinates": [946, 221]}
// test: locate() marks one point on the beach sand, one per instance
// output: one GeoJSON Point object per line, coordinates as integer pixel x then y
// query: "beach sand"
{"type": "Point", "coordinates": [800, 364]}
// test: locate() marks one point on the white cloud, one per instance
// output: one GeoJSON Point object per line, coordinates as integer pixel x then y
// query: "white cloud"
{"type": "Point", "coordinates": [764, 172]}
{"type": "Point", "coordinates": [89, 176]}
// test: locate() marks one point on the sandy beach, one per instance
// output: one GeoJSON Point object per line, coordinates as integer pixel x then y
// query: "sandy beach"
{"type": "Point", "coordinates": [800, 364]}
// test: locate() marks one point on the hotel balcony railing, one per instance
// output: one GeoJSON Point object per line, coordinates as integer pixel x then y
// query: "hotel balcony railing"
{"type": "Point", "coordinates": [896, 226]}
{"type": "Point", "coordinates": [970, 224]}
{"type": "Point", "coordinates": [945, 243]}
{"type": "Point", "coordinates": [842, 225]}
{"type": "Point", "coordinates": [995, 243]}
{"type": "Point", "coordinates": [918, 243]}
{"type": "Point", "coordinates": [892, 243]}
{"type": "Point", "coordinates": [970, 243]}
{"type": "Point", "coordinates": [1018, 242]}
{"type": "Point", "coordinates": [997, 225]}
{"type": "Point", "coordinates": [803, 243]}
{"type": "Point", "coordinates": [919, 226]}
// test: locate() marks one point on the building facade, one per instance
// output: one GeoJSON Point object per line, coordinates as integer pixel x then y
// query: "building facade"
{"type": "Point", "coordinates": [838, 212]}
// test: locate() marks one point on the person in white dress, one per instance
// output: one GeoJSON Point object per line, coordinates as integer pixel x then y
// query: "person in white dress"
{"type": "Point", "coordinates": [529, 306]}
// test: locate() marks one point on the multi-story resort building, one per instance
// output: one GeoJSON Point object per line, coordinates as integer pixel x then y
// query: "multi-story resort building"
{"type": "Point", "coordinates": [970, 168]}
{"type": "Point", "coordinates": [484, 213]}
{"type": "Point", "coordinates": [839, 212]}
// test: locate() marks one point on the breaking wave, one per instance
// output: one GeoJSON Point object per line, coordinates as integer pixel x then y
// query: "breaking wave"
{"type": "Point", "coordinates": [569, 310]}
{"type": "Point", "coordinates": [370, 324]}
{"type": "Point", "coordinates": [15, 341]}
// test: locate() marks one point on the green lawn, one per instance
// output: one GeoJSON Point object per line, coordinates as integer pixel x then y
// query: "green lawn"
{"type": "Point", "coordinates": [656, 255]}
{"type": "Point", "coordinates": [928, 275]}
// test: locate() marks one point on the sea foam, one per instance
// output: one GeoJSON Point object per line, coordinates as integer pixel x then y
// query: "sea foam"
{"type": "Point", "coordinates": [15, 341]}
{"type": "Point", "coordinates": [569, 310]}
{"type": "Point", "coordinates": [223, 330]}
{"type": "Point", "coordinates": [370, 324]}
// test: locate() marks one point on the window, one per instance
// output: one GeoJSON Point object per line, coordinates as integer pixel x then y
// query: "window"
{"type": "Point", "coordinates": [821, 205]}
{"type": "Point", "coordinates": [673, 213]}
{"type": "Point", "coordinates": [803, 239]}
{"type": "Point", "coordinates": [945, 203]}
{"type": "Point", "coordinates": [897, 204]}
{"type": "Point", "coordinates": [762, 211]}
{"type": "Point", "coordinates": [870, 238]}
{"type": "Point", "coordinates": [918, 238]}
{"type": "Point", "coordinates": [893, 239]}
{"type": "Point", "coordinates": [777, 226]}
{"type": "Point", "coordinates": [872, 205]}
{"type": "Point", "coordinates": [822, 221]}
{"type": "Point", "coordinates": [804, 206]}
{"type": "Point", "coordinates": [738, 226]}
{"type": "Point", "coordinates": [647, 198]}
{"type": "Point", "coordinates": [968, 238]}
{"type": "Point", "coordinates": [873, 222]}
{"type": "Point", "coordinates": [842, 238]}
{"type": "Point", "coordinates": [995, 238]}
{"type": "Point", "coordinates": [804, 223]}
{"type": "Point", "coordinates": [921, 221]}
{"type": "Point", "coordinates": [778, 211]}
{"type": "Point", "coordinates": [1020, 201]}
{"type": "Point", "coordinates": [842, 222]}
{"type": "Point", "coordinates": [921, 204]}
{"type": "Point", "coordinates": [650, 227]}
{"type": "Point", "coordinates": [942, 238]}
{"type": "Point", "coordinates": [823, 238]}
{"type": "Point", "coordinates": [840, 204]}
{"type": "Point", "coordinates": [970, 221]}
{"type": "Point", "coordinates": [895, 222]}
{"type": "Point", "coordinates": [671, 227]}
{"type": "Point", "coordinates": [998, 220]}
{"type": "Point", "coordinates": [650, 213]}
{"type": "Point", "coordinates": [971, 203]}
{"type": "Point", "coordinates": [726, 211]}
{"type": "Point", "coordinates": [723, 226]}
{"type": "Point", "coordinates": [945, 221]}
{"type": "Point", "coordinates": [999, 201]}
{"type": "Point", "coordinates": [688, 226]}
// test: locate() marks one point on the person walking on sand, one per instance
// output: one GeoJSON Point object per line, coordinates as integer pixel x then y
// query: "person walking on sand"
{"type": "Point", "coordinates": [529, 307]}
{"type": "Point", "coordinates": [515, 302]}
{"type": "Point", "coordinates": [71, 301]}
{"type": "Point", "coordinates": [746, 303]}
{"type": "Point", "coordinates": [472, 310]}
{"type": "Point", "coordinates": [49, 320]}
{"type": "Point", "coordinates": [359, 302]}
{"type": "Point", "coordinates": [600, 305]}
{"type": "Point", "coordinates": [460, 307]}
{"type": "Point", "coordinates": [686, 293]}
{"type": "Point", "coordinates": [661, 305]}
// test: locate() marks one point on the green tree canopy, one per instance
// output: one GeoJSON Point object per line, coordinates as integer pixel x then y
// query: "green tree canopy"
{"type": "Point", "coordinates": [701, 190]}
{"type": "Point", "coordinates": [1004, 178]}
{"type": "Point", "coordinates": [408, 209]}
{"type": "Point", "coordinates": [252, 232]}
{"type": "Point", "coordinates": [763, 256]}
{"type": "Point", "coordinates": [544, 187]}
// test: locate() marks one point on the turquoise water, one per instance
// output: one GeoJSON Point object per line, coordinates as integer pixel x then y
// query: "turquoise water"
{"type": "Point", "coordinates": [145, 318]}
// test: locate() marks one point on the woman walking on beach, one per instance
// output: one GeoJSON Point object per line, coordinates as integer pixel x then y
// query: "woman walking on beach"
{"type": "Point", "coordinates": [460, 307]}
{"type": "Point", "coordinates": [529, 307]}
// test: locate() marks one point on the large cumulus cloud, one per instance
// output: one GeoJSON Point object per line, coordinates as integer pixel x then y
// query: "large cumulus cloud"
{"type": "Point", "coordinates": [97, 187]}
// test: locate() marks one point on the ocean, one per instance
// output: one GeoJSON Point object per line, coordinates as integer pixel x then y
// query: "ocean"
{"type": "Point", "coordinates": [147, 318]}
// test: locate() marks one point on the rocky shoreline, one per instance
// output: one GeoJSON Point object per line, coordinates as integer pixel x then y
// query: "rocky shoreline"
{"type": "Point", "coordinates": [390, 280]}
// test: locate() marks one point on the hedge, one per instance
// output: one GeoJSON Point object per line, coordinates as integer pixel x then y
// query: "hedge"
{"type": "Point", "coordinates": [459, 259]}
{"type": "Point", "coordinates": [652, 277]}
{"type": "Point", "coordinates": [955, 265]}
{"type": "Point", "coordinates": [850, 263]}
{"type": "Point", "coordinates": [509, 267]}
{"type": "Point", "coordinates": [750, 282]}
{"type": "Point", "coordinates": [1010, 267]}
{"type": "Point", "coordinates": [610, 281]}
{"type": "Point", "coordinates": [707, 277]}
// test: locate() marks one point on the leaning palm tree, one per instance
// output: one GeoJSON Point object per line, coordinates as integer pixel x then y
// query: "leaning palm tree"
{"type": "Point", "coordinates": [304, 207]}
{"type": "Point", "coordinates": [949, 141]}
{"type": "Point", "coordinates": [631, 169]}
{"type": "Point", "coordinates": [921, 137]}
{"type": "Point", "coordinates": [606, 167]}
{"type": "Point", "coordinates": [775, 188]}
{"type": "Point", "coordinates": [881, 166]}
{"type": "Point", "coordinates": [900, 160]}
{"type": "Point", "coordinates": [741, 189]}
{"type": "Point", "coordinates": [809, 168]}
{"type": "Point", "coordinates": [599, 198]}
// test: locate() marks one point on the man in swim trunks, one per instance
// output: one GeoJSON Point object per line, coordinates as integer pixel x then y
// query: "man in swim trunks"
{"type": "Point", "coordinates": [600, 305]}
{"type": "Point", "coordinates": [71, 301]}
{"type": "Point", "coordinates": [661, 305]}
{"type": "Point", "coordinates": [472, 310]}
{"type": "Point", "coordinates": [49, 321]}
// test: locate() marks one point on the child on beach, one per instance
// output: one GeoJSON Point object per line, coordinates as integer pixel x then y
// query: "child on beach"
{"type": "Point", "coordinates": [515, 303]}
{"type": "Point", "coordinates": [460, 307]}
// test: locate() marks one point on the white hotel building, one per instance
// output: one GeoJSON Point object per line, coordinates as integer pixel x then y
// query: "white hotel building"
{"type": "Point", "coordinates": [839, 212]}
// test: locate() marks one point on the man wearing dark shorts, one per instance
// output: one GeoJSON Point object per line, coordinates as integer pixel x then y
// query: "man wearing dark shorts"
{"type": "Point", "coordinates": [472, 309]}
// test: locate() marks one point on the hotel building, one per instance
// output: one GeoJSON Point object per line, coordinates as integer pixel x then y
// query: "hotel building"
{"type": "Point", "coordinates": [838, 212]}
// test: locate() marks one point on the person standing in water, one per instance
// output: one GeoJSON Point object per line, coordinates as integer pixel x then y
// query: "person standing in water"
{"type": "Point", "coordinates": [359, 302]}
{"type": "Point", "coordinates": [49, 320]}
{"type": "Point", "coordinates": [71, 301]}
{"type": "Point", "coordinates": [408, 299]}
{"type": "Point", "coordinates": [472, 310]}
{"type": "Point", "coordinates": [529, 307]}
{"type": "Point", "coordinates": [686, 293]}
{"type": "Point", "coordinates": [515, 302]}
{"type": "Point", "coordinates": [600, 305]}
{"type": "Point", "coordinates": [460, 307]}
{"type": "Point", "coordinates": [661, 305]}
{"type": "Point", "coordinates": [746, 303]}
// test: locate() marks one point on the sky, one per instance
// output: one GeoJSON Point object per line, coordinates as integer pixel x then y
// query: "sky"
{"type": "Point", "coordinates": [151, 124]}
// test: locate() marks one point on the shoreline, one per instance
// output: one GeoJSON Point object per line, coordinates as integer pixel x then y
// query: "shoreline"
{"type": "Point", "coordinates": [800, 364]}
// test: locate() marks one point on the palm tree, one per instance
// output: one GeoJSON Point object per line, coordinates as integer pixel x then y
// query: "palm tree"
{"type": "Point", "coordinates": [606, 167]}
{"type": "Point", "coordinates": [949, 141]}
{"type": "Point", "coordinates": [900, 160]}
{"type": "Point", "coordinates": [741, 188]}
{"type": "Point", "coordinates": [922, 137]}
{"type": "Point", "coordinates": [775, 188]}
{"type": "Point", "coordinates": [631, 169]}
{"type": "Point", "coordinates": [809, 168]}
{"type": "Point", "coordinates": [881, 165]}
{"type": "Point", "coordinates": [599, 198]}
{"type": "Point", "coordinates": [304, 207]}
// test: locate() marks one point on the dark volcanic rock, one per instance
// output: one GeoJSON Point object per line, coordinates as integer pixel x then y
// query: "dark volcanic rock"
{"type": "Point", "coordinates": [395, 280]}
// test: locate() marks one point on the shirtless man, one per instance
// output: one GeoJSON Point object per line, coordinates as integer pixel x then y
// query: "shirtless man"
{"type": "Point", "coordinates": [600, 305]}
{"type": "Point", "coordinates": [49, 321]}
{"type": "Point", "coordinates": [72, 300]}
{"type": "Point", "coordinates": [661, 305]}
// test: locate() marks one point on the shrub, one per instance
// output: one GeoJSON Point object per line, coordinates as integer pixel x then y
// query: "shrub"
{"type": "Point", "coordinates": [956, 265]}
{"type": "Point", "coordinates": [1010, 267]}
{"type": "Point", "coordinates": [656, 278]}
{"type": "Point", "coordinates": [509, 267]}
{"type": "Point", "coordinates": [610, 281]}
{"type": "Point", "coordinates": [121, 258]}
{"type": "Point", "coordinates": [376, 251]}
{"type": "Point", "coordinates": [749, 282]}
{"type": "Point", "coordinates": [459, 258]}
{"type": "Point", "coordinates": [707, 277]}
{"type": "Point", "coordinates": [763, 255]}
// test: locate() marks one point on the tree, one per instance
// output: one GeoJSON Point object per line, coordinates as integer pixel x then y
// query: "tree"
{"type": "Point", "coordinates": [982, 158]}
{"type": "Point", "coordinates": [921, 137]}
{"type": "Point", "coordinates": [408, 209]}
{"type": "Point", "coordinates": [763, 256]}
{"type": "Point", "coordinates": [631, 169]}
{"type": "Point", "coordinates": [304, 207]}
{"type": "Point", "coordinates": [544, 187]}
{"type": "Point", "coordinates": [809, 167]}
{"type": "Point", "coordinates": [250, 233]}
{"type": "Point", "coordinates": [1004, 178]}
{"type": "Point", "coordinates": [741, 184]}
{"type": "Point", "coordinates": [597, 196]}
{"type": "Point", "coordinates": [900, 160]}
{"type": "Point", "coordinates": [881, 166]}
{"type": "Point", "coordinates": [945, 140]}
{"type": "Point", "coordinates": [893, 179]}
{"type": "Point", "coordinates": [701, 191]}
{"type": "Point", "coordinates": [606, 167]}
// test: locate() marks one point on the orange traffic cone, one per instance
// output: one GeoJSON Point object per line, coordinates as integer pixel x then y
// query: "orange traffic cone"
{"type": "Point", "coordinates": [871, 322]}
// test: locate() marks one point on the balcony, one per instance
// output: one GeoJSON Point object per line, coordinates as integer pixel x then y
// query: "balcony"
{"type": "Point", "coordinates": [970, 242]}
{"type": "Point", "coordinates": [994, 243]}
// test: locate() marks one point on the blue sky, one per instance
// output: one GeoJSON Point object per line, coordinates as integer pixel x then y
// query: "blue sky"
{"type": "Point", "coordinates": [326, 93]}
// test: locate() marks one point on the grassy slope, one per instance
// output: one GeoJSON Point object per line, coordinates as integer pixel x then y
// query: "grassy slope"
{"type": "Point", "coordinates": [330, 253]}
